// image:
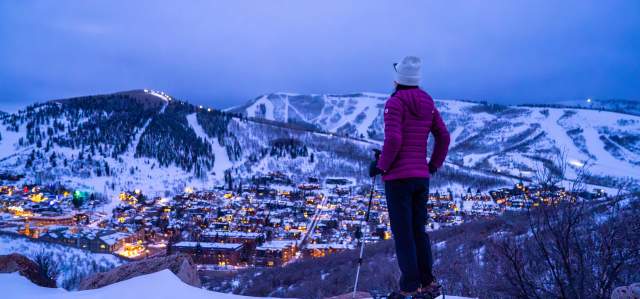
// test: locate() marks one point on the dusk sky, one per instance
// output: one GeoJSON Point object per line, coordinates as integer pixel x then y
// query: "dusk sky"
{"type": "Point", "coordinates": [225, 53]}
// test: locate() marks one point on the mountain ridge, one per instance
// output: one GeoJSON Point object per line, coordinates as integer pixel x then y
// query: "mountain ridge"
{"type": "Point", "coordinates": [489, 136]}
{"type": "Point", "coordinates": [150, 140]}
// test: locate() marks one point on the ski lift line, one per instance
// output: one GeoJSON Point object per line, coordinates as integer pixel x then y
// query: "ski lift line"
{"type": "Point", "coordinates": [296, 128]}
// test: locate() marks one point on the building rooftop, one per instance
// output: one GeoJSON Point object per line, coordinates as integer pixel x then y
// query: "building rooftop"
{"type": "Point", "coordinates": [276, 245]}
{"type": "Point", "coordinates": [233, 234]}
{"type": "Point", "coordinates": [209, 245]}
{"type": "Point", "coordinates": [112, 239]}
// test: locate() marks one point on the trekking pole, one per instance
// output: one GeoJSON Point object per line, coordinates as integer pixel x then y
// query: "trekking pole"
{"type": "Point", "coordinates": [359, 232]}
{"type": "Point", "coordinates": [359, 236]}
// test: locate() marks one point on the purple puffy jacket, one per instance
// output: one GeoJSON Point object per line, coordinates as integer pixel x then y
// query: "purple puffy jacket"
{"type": "Point", "coordinates": [409, 116]}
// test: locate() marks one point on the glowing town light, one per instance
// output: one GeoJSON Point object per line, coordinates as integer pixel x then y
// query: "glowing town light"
{"type": "Point", "coordinates": [132, 250]}
{"type": "Point", "coordinates": [20, 212]}
{"type": "Point", "coordinates": [38, 197]}
{"type": "Point", "coordinates": [589, 100]}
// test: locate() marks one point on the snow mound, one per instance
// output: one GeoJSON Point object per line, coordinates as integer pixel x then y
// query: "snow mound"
{"type": "Point", "coordinates": [159, 285]}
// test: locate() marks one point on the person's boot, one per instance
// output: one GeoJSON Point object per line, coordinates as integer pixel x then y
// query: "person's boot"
{"type": "Point", "coordinates": [432, 290]}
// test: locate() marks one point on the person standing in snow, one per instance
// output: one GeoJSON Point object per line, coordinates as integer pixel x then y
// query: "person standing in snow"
{"type": "Point", "coordinates": [410, 115]}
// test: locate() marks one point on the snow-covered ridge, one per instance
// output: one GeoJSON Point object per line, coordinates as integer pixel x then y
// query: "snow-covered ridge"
{"type": "Point", "coordinates": [511, 139]}
{"type": "Point", "coordinates": [495, 140]}
{"type": "Point", "coordinates": [149, 141]}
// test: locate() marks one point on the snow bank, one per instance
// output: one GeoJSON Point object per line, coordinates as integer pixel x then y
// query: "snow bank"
{"type": "Point", "coordinates": [159, 285]}
{"type": "Point", "coordinates": [72, 263]}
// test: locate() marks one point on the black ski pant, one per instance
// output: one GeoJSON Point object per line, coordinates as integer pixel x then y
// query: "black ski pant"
{"type": "Point", "coordinates": [406, 202]}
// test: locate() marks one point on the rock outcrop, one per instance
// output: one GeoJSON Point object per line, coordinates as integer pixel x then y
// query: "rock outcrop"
{"type": "Point", "coordinates": [182, 266]}
{"type": "Point", "coordinates": [27, 268]}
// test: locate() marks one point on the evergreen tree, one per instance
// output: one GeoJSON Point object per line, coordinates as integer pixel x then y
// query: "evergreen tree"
{"type": "Point", "coordinates": [52, 160]}
{"type": "Point", "coordinates": [31, 159]}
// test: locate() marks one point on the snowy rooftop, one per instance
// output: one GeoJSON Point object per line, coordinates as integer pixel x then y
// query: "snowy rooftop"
{"type": "Point", "coordinates": [209, 245]}
{"type": "Point", "coordinates": [281, 244]}
{"type": "Point", "coordinates": [236, 234]}
{"type": "Point", "coordinates": [113, 238]}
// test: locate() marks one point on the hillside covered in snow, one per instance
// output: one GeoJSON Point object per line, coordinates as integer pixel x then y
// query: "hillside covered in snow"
{"type": "Point", "coordinates": [502, 139]}
{"type": "Point", "coordinates": [148, 140]}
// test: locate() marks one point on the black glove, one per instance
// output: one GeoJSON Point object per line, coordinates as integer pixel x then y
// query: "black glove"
{"type": "Point", "coordinates": [432, 168]}
{"type": "Point", "coordinates": [373, 169]}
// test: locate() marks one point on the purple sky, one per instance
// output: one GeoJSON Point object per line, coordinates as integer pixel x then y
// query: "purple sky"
{"type": "Point", "coordinates": [221, 55]}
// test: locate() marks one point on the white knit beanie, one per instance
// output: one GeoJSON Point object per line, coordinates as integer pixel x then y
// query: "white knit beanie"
{"type": "Point", "coordinates": [408, 71]}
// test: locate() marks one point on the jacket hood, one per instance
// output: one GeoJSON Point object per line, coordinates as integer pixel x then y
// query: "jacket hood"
{"type": "Point", "coordinates": [416, 101]}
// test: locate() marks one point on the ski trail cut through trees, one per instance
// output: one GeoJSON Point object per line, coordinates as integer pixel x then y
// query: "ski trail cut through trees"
{"type": "Point", "coordinates": [222, 161]}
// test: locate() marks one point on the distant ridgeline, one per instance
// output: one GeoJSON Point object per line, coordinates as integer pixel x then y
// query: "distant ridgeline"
{"type": "Point", "coordinates": [625, 106]}
{"type": "Point", "coordinates": [149, 140]}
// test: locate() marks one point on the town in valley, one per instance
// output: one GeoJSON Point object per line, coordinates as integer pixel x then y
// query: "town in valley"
{"type": "Point", "coordinates": [268, 222]}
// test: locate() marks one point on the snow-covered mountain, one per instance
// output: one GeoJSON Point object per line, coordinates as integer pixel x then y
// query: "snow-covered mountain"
{"type": "Point", "coordinates": [357, 115]}
{"type": "Point", "coordinates": [490, 137]}
{"type": "Point", "coordinates": [148, 140]}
